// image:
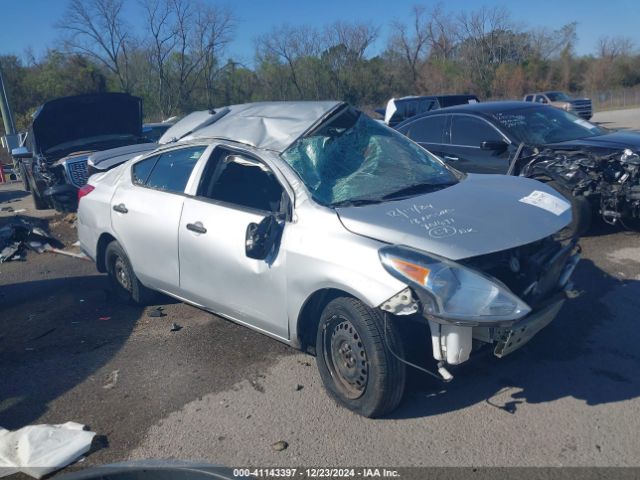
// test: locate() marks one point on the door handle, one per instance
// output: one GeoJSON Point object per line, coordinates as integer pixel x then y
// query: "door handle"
{"type": "Point", "coordinates": [196, 227]}
{"type": "Point", "coordinates": [120, 208]}
{"type": "Point", "coordinates": [450, 158]}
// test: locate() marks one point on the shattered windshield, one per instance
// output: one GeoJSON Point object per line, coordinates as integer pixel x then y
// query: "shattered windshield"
{"type": "Point", "coordinates": [354, 159]}
{"type": "Point", "coordinates": [543, 125]}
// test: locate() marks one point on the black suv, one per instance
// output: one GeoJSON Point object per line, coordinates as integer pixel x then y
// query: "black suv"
{"type": "Point", "coordinates": [62, 135]}
{"type": "Point", "coordinates": [399, 109]}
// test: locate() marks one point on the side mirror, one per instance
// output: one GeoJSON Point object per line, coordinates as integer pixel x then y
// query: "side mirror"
{"type": "Point", "coordinates": [261, 237]}
{"type": "Point", "coordinates": [21, 152]}
{"type": "Point", "coordinates": [494, 145]}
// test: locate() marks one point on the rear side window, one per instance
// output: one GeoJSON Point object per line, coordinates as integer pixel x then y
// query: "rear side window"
{"type": "Point", "coordinates": [428, 130]}
{"type": "Point", "coordinates": [172, 169]}
{"type": "Point", "coordinates": [528, 98]}
{"type": "Point", "coordinates": [244, 182]}
{"type": "Point", "coordinates": [141, 170]}
{"type": "Point", "coordinates": [471, 132]}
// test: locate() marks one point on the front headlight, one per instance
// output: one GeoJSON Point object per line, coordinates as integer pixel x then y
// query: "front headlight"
{"type": "Point", "coordinates": [451, 291]}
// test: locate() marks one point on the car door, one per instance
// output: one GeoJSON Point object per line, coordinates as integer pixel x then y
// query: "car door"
{"type": "Point", "coordinates": [429, 132]}
{"type": "Point", "coordinates": [465, 151]}
{"type": "Point", "coordinates": [146, 211]}
{"type": "Point", "coordinates": [236, 189]}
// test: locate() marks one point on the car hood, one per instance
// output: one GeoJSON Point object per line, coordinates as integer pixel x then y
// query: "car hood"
{"type": "Point", "coordinates": [480, 215]}
{"type": "Point", "coordinates": [609, 141]}
{"type": "Point", "coordinates": [69, 119]}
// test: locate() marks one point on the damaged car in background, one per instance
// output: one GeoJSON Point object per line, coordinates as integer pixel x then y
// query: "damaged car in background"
{"type": "Point", "coordinates": [609, 181]}
{"type": "Point", "coordinates": [64, 133]}
{"type": "Point", "coordinates": [595, 168]}
{"type": "Point", "coordinates": [322, 228]}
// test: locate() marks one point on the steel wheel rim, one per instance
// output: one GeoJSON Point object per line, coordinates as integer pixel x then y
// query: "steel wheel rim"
{"type": "Point", "coordinates": [346, 357]}
{"type": "Point", "coordinates": [121, 273]}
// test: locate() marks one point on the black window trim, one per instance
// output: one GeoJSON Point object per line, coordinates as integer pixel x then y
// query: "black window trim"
{"type": "Point", "coordinates": [286, 207]}
{"type": "Point", "coordinates": [159, 154]}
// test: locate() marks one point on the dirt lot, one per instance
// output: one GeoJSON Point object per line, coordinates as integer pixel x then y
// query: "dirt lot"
{"type": "Point", "coordinates": [219, 392]}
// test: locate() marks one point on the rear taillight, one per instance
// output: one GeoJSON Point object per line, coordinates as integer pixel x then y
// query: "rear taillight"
{"type": "Point", "coordinates": [85, 190]}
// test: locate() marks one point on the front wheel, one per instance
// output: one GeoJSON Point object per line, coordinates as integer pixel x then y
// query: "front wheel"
{"type": "Point", "coordinates": [355, 365]}
{"type": "Point", "coordinates": [23, 177]}
{"type": "Point", "coordinates": [580, 210]}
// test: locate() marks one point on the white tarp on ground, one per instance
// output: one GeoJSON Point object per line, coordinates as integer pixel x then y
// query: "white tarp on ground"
{"type": "Point", "coordinates": [41, 449]}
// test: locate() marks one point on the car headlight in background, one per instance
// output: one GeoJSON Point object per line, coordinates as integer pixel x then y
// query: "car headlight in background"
{"type": "Point", "coordinates": [452, 291]}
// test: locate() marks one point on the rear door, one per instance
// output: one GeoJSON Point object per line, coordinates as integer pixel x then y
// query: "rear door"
{"type": "Point", "coordinates": [145, 214]}
{"type": "Point", "coordinates": [464, 152]}
{"type": "Point", "coordinates": [236, 189]}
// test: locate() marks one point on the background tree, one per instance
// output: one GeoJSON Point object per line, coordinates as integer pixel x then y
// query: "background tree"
{"type": "Point", "coordinates": [96, 29]}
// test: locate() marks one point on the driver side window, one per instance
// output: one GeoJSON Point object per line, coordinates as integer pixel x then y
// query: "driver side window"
{"type": "Point", "coordinates": [242, 181]}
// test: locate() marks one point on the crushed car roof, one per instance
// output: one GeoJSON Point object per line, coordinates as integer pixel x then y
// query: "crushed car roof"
{"type": "Point", "coordinates": [264, 125]}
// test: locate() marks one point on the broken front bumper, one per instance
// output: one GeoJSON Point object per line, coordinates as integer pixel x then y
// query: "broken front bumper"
{"type": "Point", "coordinates": [510, 339]}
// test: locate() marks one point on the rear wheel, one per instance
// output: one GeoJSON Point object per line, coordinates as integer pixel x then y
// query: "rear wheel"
{"type": "Point", "coordinates": [355, 365]}
{"type": "Point", "coordinates": [580, 209]}
{"type": "Point", "coordinates": [123, 280]}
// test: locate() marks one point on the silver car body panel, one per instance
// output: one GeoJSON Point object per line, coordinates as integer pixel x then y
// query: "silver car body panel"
{"type": "Point", "coordinates": [264, 125]}
{"type": "Point", "coordinates": [107, 159]}
{"type": "Point", "coordinates": [481, 214]}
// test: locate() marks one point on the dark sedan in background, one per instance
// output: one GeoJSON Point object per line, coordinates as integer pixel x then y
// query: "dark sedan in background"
{"type": "Point", "coordinates": [596, 168]}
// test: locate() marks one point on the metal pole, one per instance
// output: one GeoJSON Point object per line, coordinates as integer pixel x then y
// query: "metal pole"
{"type": "Point", "coordinates": [9, 126]}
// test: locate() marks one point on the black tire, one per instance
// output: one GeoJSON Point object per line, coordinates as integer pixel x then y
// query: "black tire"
{"type": "Point", "coordinates": [23, 177]}
{"type": "Point", "coordinates": [124, 282]}
{"type": "Point", "coordinates": [368, 379]}
{"type": "Point", "coordinates": [39, 202]}
{"type": "Point", "coordinates": [580, 208]}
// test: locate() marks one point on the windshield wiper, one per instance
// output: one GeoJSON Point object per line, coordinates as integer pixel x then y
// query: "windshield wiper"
{"type": "Point", "coordinates": [416, 189]}
{"type": "Point", "coordinates": [355, 202]}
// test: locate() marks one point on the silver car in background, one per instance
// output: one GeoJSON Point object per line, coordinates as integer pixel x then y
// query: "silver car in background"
{"type": "Point", "coordinates": [317, 226]}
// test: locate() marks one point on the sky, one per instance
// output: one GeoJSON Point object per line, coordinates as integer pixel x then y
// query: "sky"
{"type": "Point", "coordinates": [30, 23]}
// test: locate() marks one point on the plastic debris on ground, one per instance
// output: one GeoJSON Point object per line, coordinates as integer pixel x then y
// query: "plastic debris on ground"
{"type": "Point", "coordinates": [18, 236]}
{"type": "Point", "coordinates": [38, 450]}
{"type": "Point", "coordinates": [157, 312]}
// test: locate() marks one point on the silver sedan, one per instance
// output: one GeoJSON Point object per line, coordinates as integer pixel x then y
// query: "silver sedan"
{"type": "Point", "coordinates": [315, 225]}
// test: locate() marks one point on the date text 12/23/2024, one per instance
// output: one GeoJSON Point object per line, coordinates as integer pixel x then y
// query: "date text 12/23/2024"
{"type": "Point", "coordinates": [269, 473]}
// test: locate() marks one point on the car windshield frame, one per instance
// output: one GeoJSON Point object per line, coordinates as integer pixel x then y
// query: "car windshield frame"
{"type": "Point", "coordinates": [340, 160]}
{"type": "Point", "coordinates": [543, 125]}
